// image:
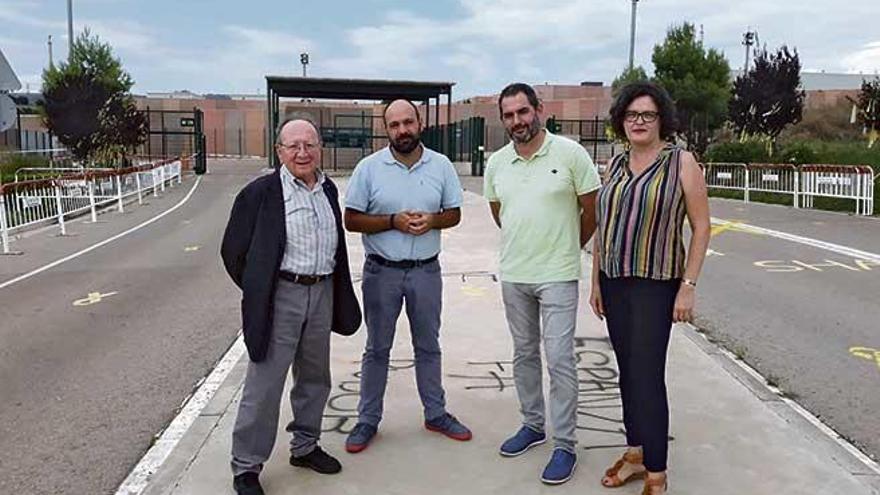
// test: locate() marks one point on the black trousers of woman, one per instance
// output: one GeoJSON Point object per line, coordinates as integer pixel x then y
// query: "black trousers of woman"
{"type": "Point", "coordinates": [639, 316]}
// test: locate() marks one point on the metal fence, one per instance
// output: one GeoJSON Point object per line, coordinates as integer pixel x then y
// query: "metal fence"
{"type": "Point", "coordinates": [803, 183]}
{"type": "Point", "coordinates": [839, 181]}
{"type": "Point", "coordinates": [32, 202]}
{"type": "Point", "coordinates": [25, 140]}
{"type": "Point", "coordinates": [462, 141]}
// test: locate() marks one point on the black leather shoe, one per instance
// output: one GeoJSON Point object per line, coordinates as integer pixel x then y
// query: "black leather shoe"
{"type": "Point", "coordinates": [247, 483]}
{"type": "Point", "coordinates": [317, 460]}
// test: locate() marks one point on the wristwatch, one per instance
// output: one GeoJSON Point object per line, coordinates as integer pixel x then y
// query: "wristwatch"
{"type": "Point", "coordinates": [687, 281]}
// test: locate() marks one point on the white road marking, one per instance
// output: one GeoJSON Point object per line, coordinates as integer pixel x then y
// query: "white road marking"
{"type": "Point", "coordinates": [828, 246]}
{"type": "Point", "coordinates": [139, 477]}
{"type": "Point", "coordinates": [104, 242]}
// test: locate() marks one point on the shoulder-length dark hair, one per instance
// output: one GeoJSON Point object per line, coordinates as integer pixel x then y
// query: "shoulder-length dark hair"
{"type": "Point", "coordinates": [665, 106]}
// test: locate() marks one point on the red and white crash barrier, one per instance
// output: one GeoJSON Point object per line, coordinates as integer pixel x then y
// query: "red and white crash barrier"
{"type": "Point", "coordinates": [854, 182]}
{"type": "Point", "coordinates": [33, 202]}
{"type": "Point", "coordinates": [803, 183]}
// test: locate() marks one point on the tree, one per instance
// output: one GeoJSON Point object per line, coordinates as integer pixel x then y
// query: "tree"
{"type": "Point", "coordinates": [636, 74]}
{"type": "Point", "coordinates": [697, 79]}
{"type": "Point", "coordinates": [87, 103]}
{"type": "Point", "coordinates": [867, 110]}
{"type": "Point", "coordinates": [769, 97]}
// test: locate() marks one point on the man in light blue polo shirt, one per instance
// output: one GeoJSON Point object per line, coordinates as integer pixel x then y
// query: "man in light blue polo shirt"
{"type": "Point", "coordinates": [400, 198]}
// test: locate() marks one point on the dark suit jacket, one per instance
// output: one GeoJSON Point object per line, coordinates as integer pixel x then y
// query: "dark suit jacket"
{"type": "Point", "coordinates": [252, 250]}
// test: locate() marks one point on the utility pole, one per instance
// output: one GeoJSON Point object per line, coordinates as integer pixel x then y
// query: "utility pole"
{"type": "Point", "coordinates": [69, 31]}
{"type": "Point", "coordinates": [749, 38]}
{"type": "Point", "coordinates": [304, 60]}
{"type": "Point", "coordinates": [632, 35]}
{"type": "Point", "coordinates": [51, 63]}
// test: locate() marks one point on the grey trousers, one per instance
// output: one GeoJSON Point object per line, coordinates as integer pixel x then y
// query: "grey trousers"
{"type": "Point", "coordinates": [300, 342]}
{"type": "Point", "coordinates": [548, 311]}
{"type": "Point", "coordinates": [385, 290]}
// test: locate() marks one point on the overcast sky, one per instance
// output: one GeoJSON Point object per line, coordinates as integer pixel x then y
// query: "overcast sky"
{"type": "Point", "coordinates": [222, 46]}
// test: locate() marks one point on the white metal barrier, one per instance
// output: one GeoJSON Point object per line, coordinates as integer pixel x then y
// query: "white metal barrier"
{"type": "Point", "coordinates": [28, 203]}
{"type": "Point", "coordinates": [839, 181]}
{"type": "Point", "coordinates": [730, 176]}
{"type": "Point", "coordinates": [779, 178]}
{"type": "Point", "coordinates": [803, 183]}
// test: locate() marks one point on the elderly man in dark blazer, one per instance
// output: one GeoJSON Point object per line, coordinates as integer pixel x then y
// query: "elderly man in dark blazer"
{"type": "Point", "coordinates": [284, 246]}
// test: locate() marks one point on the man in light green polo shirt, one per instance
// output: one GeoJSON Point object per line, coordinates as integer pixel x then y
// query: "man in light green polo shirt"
{"type": "Point", "coordinates": [541, 190]}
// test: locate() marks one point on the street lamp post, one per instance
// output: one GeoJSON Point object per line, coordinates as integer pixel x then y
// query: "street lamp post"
{"type": "Point", "coordinates": [632, 36]}
{"type": "Point", "coordinates": [304, 60]}
{"type": "Point", "coordinates": [749, 38]}
{"type": "Point", "coordinates": [69, 30]}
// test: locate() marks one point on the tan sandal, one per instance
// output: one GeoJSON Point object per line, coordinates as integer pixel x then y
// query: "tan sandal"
{"type": "Point", "coordinates": [651, 483]}
{"type": "Point", "coordinates": [611, 473]}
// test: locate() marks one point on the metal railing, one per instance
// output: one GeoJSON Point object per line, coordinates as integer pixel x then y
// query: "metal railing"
{"type": "Point", "coordinates": [839, 181]}
{"type": "Point", "coordinates": [803, 183]}
{"type": "Point", "coordinates": [32, 202]}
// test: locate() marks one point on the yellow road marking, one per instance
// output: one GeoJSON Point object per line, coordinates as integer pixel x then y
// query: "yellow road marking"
{"type": "Point", "coordinates": [93, 298]}
{"type": "Point", "coordinates": [866, 353]}
{"type": "Point", "coordinates": [190, 249]}
{"type": "Point", "coordinates": [473, 291]}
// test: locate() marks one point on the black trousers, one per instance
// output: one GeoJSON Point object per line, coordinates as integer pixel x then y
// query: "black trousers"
{"type": "Point", "coordinates": [639, 316]}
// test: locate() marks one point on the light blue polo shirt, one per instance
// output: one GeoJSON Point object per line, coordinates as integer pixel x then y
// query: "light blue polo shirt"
{"type": "Point", "coordinates": [381, 185]}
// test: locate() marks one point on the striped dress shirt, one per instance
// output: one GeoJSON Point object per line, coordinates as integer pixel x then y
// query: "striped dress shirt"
{"type": "Point", "coordinates": [311, 227]}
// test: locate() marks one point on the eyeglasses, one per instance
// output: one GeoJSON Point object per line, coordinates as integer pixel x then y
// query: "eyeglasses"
{"type": "Point", "coordinates": [307, 147]}
{"type": "Point", "coordinates": [647, 117]}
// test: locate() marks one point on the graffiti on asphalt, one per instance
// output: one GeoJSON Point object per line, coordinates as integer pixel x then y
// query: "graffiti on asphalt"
{"type": "Point", "coordinates": [341, 413]}
{"type": "Point", "coordinates": [599, 402]}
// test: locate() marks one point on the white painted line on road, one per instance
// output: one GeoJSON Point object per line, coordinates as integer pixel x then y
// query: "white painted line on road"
{"type": "Point", "coordinates": [807, 415]}
{"type": "Point", "coordinates": [139, 477]}
{"type": "Point", "coordinates": [828, 246]}
{"type": "Point", "coordinates": [104, 242]}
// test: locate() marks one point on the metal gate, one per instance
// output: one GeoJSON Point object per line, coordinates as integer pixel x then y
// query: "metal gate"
{"type": "Point", "coordinates": [176, 133]}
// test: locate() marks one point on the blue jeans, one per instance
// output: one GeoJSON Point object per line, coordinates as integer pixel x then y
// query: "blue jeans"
{"type": "Point", "coordinates": [385, 289]}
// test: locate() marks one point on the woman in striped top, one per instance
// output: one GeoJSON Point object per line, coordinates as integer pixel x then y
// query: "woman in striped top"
{"type": "Point", "coordinates": [642, 279]}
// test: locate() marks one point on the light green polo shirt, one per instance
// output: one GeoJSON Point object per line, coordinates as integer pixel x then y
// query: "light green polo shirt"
{"type": "Point", "coordinates": [540, 211]}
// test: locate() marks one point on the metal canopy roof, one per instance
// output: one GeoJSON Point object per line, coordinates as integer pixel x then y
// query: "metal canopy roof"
{"type": "Point", "coordinates": [278, 87]}
{"type": "Point", "coordinates": [355, 89]}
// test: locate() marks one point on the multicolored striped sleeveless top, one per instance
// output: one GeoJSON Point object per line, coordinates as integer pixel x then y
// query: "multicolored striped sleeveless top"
{"type": "Point", "coordinates": [640, 219]}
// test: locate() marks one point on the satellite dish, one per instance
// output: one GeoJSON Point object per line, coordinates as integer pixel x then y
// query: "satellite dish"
{"type": "Point", "coordinates": [8, 80]}
{"type": "Point", "coordinates": [7, 112]}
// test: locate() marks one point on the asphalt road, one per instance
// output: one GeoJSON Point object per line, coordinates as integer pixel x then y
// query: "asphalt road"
{"type": "Point", "coordinates": [87, 380]}
{"type": "Point", "coordinates": [807, 318]}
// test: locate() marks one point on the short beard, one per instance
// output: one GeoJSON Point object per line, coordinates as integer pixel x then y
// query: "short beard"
{"type": "Point", "coordinates": [534, 128]}
{"type": "Point", "coordinates": [405, 149]}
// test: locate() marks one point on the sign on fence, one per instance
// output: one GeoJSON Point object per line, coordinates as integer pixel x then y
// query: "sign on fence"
{"type": "Point", "coordinates": [834, 181]}
{"type": "Point", "coordinates": [30, 201]}
{"type": "Point", "coordinates": [770, 177]}
{"type": "Point", "coordinates": [724, 175]}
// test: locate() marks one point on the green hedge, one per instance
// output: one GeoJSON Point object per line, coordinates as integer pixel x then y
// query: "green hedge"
{"type": "Point", "coordinates": [9, 163]}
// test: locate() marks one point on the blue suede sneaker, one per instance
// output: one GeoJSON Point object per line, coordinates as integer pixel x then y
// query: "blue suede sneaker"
{"type": "Point", "coordinates": [522, 441]}
{"type": "Point", "coordinates": [450, 426]}
{"type": "Point", "coordinates": [359, 437]}
{"type": "Point", "coordinates": [560, 468]}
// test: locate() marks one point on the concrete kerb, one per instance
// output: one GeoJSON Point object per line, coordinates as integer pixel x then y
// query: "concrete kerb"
{"type": "Point", "coordinates": [838, 448]}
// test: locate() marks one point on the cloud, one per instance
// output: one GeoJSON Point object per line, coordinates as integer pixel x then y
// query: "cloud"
{"type": "Point", "coordinates": [865, 60]}
{"type": "Point", "coordinates": [18, 13]}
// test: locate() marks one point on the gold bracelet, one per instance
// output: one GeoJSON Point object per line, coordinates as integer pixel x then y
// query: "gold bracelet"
{"type": "Point", "coordinates": [687, 281]}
